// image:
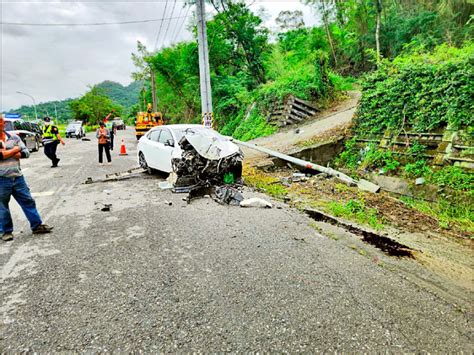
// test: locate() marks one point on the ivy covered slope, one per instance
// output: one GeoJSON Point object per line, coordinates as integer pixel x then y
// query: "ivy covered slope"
{"type": "Point", "coordinates": [420, 92]}
{"type": "Point", "coordinates": [417, 92]}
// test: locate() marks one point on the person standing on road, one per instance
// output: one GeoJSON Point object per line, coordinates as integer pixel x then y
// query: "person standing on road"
{"type": "Point", "coordinates": [12, 183]}
{"type": "Point", "coordinates": [51, 139]}
{"type": "Point", "coordinates": [103, 138]}
{"type": "Point", "coordinates": [113, 130]}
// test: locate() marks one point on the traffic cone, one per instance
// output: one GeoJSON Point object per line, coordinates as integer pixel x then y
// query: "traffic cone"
{"type": "Point", "coordinates": [123, 150]}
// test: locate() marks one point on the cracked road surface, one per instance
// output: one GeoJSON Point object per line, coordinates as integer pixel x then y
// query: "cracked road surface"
{"type": "Point", "coordinates": [201, 277]}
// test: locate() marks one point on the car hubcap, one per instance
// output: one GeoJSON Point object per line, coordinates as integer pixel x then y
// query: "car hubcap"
{"type": "Point", "coordinates": [143, 163]}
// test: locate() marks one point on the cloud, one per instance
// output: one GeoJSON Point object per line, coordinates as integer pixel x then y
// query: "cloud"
{"type": "Point", "coordinates": [54, 63]}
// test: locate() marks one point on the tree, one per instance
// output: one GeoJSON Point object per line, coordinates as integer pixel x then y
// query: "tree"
{"type": "Point", "coordinates": [142, 62]}
{"type": "Point", "coordinates": [94, 106]}
{"type": "Point", "coordinates": [290, 20]}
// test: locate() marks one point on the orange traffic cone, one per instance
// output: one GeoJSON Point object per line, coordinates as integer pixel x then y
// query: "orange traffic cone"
{"type": "Point", "coordinates": [123, 150]}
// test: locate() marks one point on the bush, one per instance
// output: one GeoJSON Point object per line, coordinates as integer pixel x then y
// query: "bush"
{"type": "Point", "coordinates": [420, 92]}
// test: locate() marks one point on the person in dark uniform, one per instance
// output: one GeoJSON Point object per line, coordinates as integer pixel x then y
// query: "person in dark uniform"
{"type": "Point", "coordinates": [51, 139]}
{"type": "Point", "coordinates": [113, 130]}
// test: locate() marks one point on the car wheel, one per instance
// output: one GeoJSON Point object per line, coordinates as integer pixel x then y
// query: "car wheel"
{"type": "Point", "coordinates": [37, 146]}
{"type": "Point", "coordinates": [143, 164]}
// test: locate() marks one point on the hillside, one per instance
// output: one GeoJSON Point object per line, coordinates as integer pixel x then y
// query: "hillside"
{"type": "Point", "coordinates": [122, 95]}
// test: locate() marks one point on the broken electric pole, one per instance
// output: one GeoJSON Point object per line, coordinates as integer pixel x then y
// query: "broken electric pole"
{"type": "Point", "coordinates": [204, 72]}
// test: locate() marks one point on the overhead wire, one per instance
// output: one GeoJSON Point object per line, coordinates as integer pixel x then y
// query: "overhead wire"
{"type": "Point", "coordinates": [177, 22]}
{"type": "Point", "coordinates": [88, 24]}
{"type": "Point", "coordinates": [161, 26]}
{"type": "Point", "coordinates": [182, 24]}
{"type": "Point", "coordinates": [169, 22]}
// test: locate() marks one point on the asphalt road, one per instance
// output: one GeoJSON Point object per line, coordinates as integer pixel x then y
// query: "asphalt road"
{"type": "Point", "coordinates": [151, 276]}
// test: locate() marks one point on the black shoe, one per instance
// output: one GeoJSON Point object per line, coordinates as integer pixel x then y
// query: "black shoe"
{"type": "Point", "coordinates": [55, 164]}
{"type": "Point", "coordinates": [42, 229]}
{"type": "Point", "coordinates": [6, 237]}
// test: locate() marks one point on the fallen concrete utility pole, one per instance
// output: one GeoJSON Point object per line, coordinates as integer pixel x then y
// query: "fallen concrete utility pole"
{"type": "Point", "coordinates": [362, 184]}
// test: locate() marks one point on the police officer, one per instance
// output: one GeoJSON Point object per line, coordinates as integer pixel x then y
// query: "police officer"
{"type": "Point", "coordinates": [51, 139]}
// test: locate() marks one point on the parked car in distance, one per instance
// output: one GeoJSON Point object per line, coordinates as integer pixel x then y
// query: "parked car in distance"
{"type": "Point", "coordinates": [22, 129]}
{"type": "Point", "coordinates": [75, 129]}
{"type": "Point", "coordinates": [159, 145]}
{"type": "Point", "coordinates": [36, 129]}
{"type": "Point", "coordinates": [119, 124]}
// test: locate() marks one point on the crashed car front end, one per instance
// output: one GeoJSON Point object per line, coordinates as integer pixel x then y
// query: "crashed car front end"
{"type": "Point", "coordinates": [207, 160]}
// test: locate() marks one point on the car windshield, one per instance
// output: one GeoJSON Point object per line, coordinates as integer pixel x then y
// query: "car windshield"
{"type": "Point", "coordinates": [73, 125]}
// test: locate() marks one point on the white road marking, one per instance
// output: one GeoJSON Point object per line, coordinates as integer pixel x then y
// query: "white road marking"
{"type": "Point", "coordinates": [41, 194]}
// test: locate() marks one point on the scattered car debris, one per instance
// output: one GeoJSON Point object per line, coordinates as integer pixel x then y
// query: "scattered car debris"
{"type": "Point", "coordinates": [169, 203]}
{"type": "Point", "coordinates": [255, 202]}
{"type": "Point", "coordinates": [420, 181]}
{"type": "Point", "coordinates": [130, 173]}
{"type": "Point", "coordinates": [165, 185]}
{"type": "Point", "coordinates": [228, 195]}
{"type": "Point", "coordinates": [298, 177]}
{"type": "Point", "coordinates": [106, 206]}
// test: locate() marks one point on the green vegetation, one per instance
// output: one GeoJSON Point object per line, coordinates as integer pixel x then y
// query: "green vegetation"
{"type": "Point", "coordinates": [94, 106]}
{"type": "Point", "coordinates": [419, 92]}
{"type": "Point", "coordinates": [125, 96]}
{"type": "Point", "coordinates": [446, 212]}
{"type": "Point", "coordinates": [47, 109]}
{"type": "Point", "coordinates": [264, 183]}
{"type": "Point", "coordinates": [355, 209]}
{"type": "Point", "coordinates": [454, 178]}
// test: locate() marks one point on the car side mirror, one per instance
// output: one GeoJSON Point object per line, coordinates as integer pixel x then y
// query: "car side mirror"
{"type": "Point", "coordinates": [169, 143]}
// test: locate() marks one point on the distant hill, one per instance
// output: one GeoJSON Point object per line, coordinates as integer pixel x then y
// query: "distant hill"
{"type": "Point", "coordinates": [47, 109]}
{"type": "Point", "coordinates": [126, 96]}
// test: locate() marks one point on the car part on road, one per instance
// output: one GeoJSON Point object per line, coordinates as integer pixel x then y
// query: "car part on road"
{"type": "Point", "coordinates": [361, 184]}
{"type": "Point", "coordinates": [255, 202]}
{"type": "Point", "coordinates": [227, 195]}
{"type": "Point", "coordinates": [117, 176]}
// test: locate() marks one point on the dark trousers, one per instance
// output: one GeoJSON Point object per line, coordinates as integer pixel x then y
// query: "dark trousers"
{"type": "Point", "coordinates": [16, 187]}
{"type": "Point", "coordinates": [107, 152]}
{"type": "Point", "coordinates": [50, 151]}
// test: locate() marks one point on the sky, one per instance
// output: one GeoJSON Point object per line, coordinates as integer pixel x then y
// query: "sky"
{"type": "Point", "coordinates": [58, 62]}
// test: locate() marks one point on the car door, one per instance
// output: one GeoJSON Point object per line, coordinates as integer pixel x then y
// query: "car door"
{"type": "Point", "coordinates": [27, 138]}
{"type": "Point", "coordinates": [152, 148]}
{"type": "Point", "coordinates": [167, 143]}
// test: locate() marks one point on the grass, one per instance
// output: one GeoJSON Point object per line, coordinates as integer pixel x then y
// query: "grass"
{"type": "Point", "coordinates": [269, 185]}
{"type": "Point", "coordinates": [356, 210]}
{"type": "Point", "coordinates": [447, 214]}
{"type": "Point", "coordinates": [62, 129]}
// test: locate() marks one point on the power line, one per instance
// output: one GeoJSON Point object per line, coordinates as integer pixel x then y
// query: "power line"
{"type": "Point", "coordinates": [177, 22]}
{"type": "Point", "coordinates": [88, 24]}
{"type": "Point", "coordinates": [169, 22]}
{"type": "Point", "coordinates": [161, 26]}
{"type": "Point", "coordinates": [182, 24]}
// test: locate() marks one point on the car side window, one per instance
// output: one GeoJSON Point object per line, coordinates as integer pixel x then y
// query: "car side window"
{"type": "Point", "coordinates": [154, 136]}
{"type": "Point", "coordinates": [166, 136]}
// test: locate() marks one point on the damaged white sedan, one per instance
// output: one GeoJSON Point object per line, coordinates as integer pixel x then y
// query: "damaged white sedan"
{"type": "Point", "coordinates": [198, 155]}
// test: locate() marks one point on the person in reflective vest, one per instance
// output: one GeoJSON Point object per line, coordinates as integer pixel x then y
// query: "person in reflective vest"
{"type": "Point", "coordinates": [51, 139]}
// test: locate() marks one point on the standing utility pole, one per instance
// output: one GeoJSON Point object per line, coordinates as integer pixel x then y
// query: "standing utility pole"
{"type": "Point", "coordinates": [153, 90]}
{"type": "Point", "coordinates": [204, 72]}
